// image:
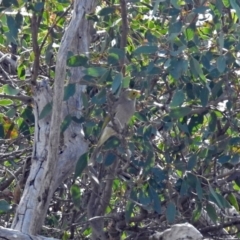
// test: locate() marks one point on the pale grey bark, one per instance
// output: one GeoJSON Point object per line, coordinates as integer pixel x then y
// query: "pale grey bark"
{"type": "Point", "coordinates": [50, 167]}
{"type": "Point", "coordinates": [10, 234]}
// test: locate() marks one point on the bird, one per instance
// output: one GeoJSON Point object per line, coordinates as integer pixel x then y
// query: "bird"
{"type": "Point", "coordinates": [116, 121]}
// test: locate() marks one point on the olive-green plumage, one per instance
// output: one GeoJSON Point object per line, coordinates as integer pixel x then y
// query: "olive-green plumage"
{"type": "Point", "coordinates": [123, 110]}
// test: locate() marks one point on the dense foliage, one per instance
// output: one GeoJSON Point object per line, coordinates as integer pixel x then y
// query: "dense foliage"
{"type": "Point", "coordinates": [184, 138]}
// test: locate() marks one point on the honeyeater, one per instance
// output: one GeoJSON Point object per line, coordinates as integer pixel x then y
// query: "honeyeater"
{"type": "Point", "coordinates": [122, 111]}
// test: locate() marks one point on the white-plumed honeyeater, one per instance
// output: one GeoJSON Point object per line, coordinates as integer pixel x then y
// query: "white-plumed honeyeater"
{"type": "Point", "coordinates": [123, 110]}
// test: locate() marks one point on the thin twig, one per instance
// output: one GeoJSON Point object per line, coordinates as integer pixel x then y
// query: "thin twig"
{"type": "Point", "coordinates": [54, 25]}
{"type": "Point", "coordinates": [124, 33]}
{"type": "Point", "coordinates": [20, 97]}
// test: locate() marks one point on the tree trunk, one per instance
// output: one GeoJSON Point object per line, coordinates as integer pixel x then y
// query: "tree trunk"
{"type": "Point", "coordinates": [50, 166]}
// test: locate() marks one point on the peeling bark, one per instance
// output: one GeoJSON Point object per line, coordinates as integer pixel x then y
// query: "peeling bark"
{"type": "Point", "coordinates": [10, 234]}
{"type": "Point", "coordinates": [49, 167]}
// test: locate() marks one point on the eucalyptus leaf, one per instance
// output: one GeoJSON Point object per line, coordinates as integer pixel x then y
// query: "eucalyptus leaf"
{"type": "Point", "coordinates": [178, 99]}
{"type": "Point", "coordinates": [81, 165]}
{"type": "Point", "coordinates": [47, 110]}
{"type": "Point", "coordinates": [145, 50]}
{"type": "Point", "coordinates": [171, 212]}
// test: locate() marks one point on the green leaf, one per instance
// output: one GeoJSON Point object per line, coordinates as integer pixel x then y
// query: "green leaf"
{"type": "Point", "coordinates": [15, 2]}
{"type": "Point", "coordinates": [24, 128]}
{"type": "Point", "coordinates": [49, 53]}
{"type": "Point", "coordinates": [236, 7]}
{"type": "Point", "coordinates": [197, 213]}
{"type": "Point", "coordinates": [155, 8]}
{"type": "Point", "coordinates": [143, 198]}
{"type": "Point", "coordinates": [235, 159]}
{"type": "Point", "coordinates": [178, 99]}
{"type": "Point", "coordinates": [221, 64]}
{"type": "Point", "coordinates": [115, 55]}
{"type": "Point", "coordinates": [64, 1]}
{"type": "Point", "coordinates": [233, 200]}
{"type": "Point", "coordinates": [189, 33]}
{"type": "Point", "coordinates": [77, 60]}
{"type": "Point", "coordinates": [199, 189]}
{"type": "Point", "coordinates": [21, 71]}
{"type": "Point", "coordinates": [95, 71]}
{"type": "Point", "coordinates": [112, 143]}
{"type": "Point", "coordinates": [175, 4]}
{"type": "Point", "coordinates": [113, 59]}
{"type": "Point", "coordinates": [5, 102]}
{"type": "Point", "coordinates": [27, 114]}
{"type": "Point", "coordinates": [81, 165]}
{"type": "Point", "coordinates": [224, 202]}
{"type": "Point", "coordinates": [194, 65]}
{"type": "Point", "coordinates": [147, 131]}
{"type": "Point", "coordinates": [4, 206]}
{"type": "Point", "coordinates": [65, 235]}
{"type": "Point", "coordinates": [200, 10]}
{"type": "Point", "coordinates": [11, 112]}
{"type": "Point", "coordinates": [192, 162]}
{"type": "Point", "coordinates": [194, 122]}
{"type": "Point", "coordinates": [211, 212]}
{"type": "Point", "coordinates": [155, 199]}
{"type": "Point", "coordinates": [106, 77]}
{"type": "Point", "coordinates": [69, 91]}
{"type": "Point", "coordinates": [190, 91]}
{"type": "Point", "coordinates": [10, 90]}
{"type": "Point", "coordinates": [191, 179]}
{"type": "Point", "coordinates": [183, 128]}
{"type": "Point", "coordinates": [204, 95]}
{"type": "Point", "coordinates": [129, 211]}
{"type": "Point", "coordinates": [179, 112]}
{"type": "Point", "coordinates": [171, 212]}
{"type": "Point", "coordinates": [234, 141]}
{"type": "Point", "coordinates": [126, 82]}
{"type": "Point", "coordinates": [224, 159]}
{"type": "Point", "coordinates": [106, 11]}
{"type": "Point", "coordinates": [117, 82]}
{"type": "Point", "coordinates": [19, 20]}
{"type": "Point", "coordinates": [100, 98]}
{"type": "Point", "coordinates": [6, 3]}
{"type": "Point", "coordinates": [221, 37]}
{"type": "Point", "coordinates": [178, 67]}
{"type": "Point", "coordinates": [76, 195]}
{"type": "Point", "coordinates": [130, 205]}
{"type": "Point", "coordinates": [184, 188]}
{"type": "Point", "coordinates": [175, 27]}
{"type": "Point", "coordinates": [213, 193]}
{"type": "Point", "coordinates": [110, 159]}
{"type": "Point", "coordinates": [213, 122]}
{"type": "Point", "coordinates": [217, 89]}
{"type": "Point", "coordinates": [47, 110]}
{"type": "Point", "coordinates": [13, 30]}
{"type": "Point", "coordinates": [66, 122]}
{"type": "Point", "coordinates": [159, 175]}
{"type": "Point", "coordinates": [145, 50]}
{"type": "Point", "coordinates": [141, 117]}
{"type": "Point", "coordinates": [38, 6]}
{"type": "Point", "coordinates": [226, 3]}
{"type": "Point", "coordinates": [1, 131]}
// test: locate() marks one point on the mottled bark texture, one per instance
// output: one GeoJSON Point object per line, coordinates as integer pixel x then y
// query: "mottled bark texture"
{"type": "Point", "coordinates": [50, 166]}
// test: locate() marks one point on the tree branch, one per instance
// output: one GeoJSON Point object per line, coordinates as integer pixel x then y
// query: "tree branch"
{"type": "Point", "coordinates": [22, 98]}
